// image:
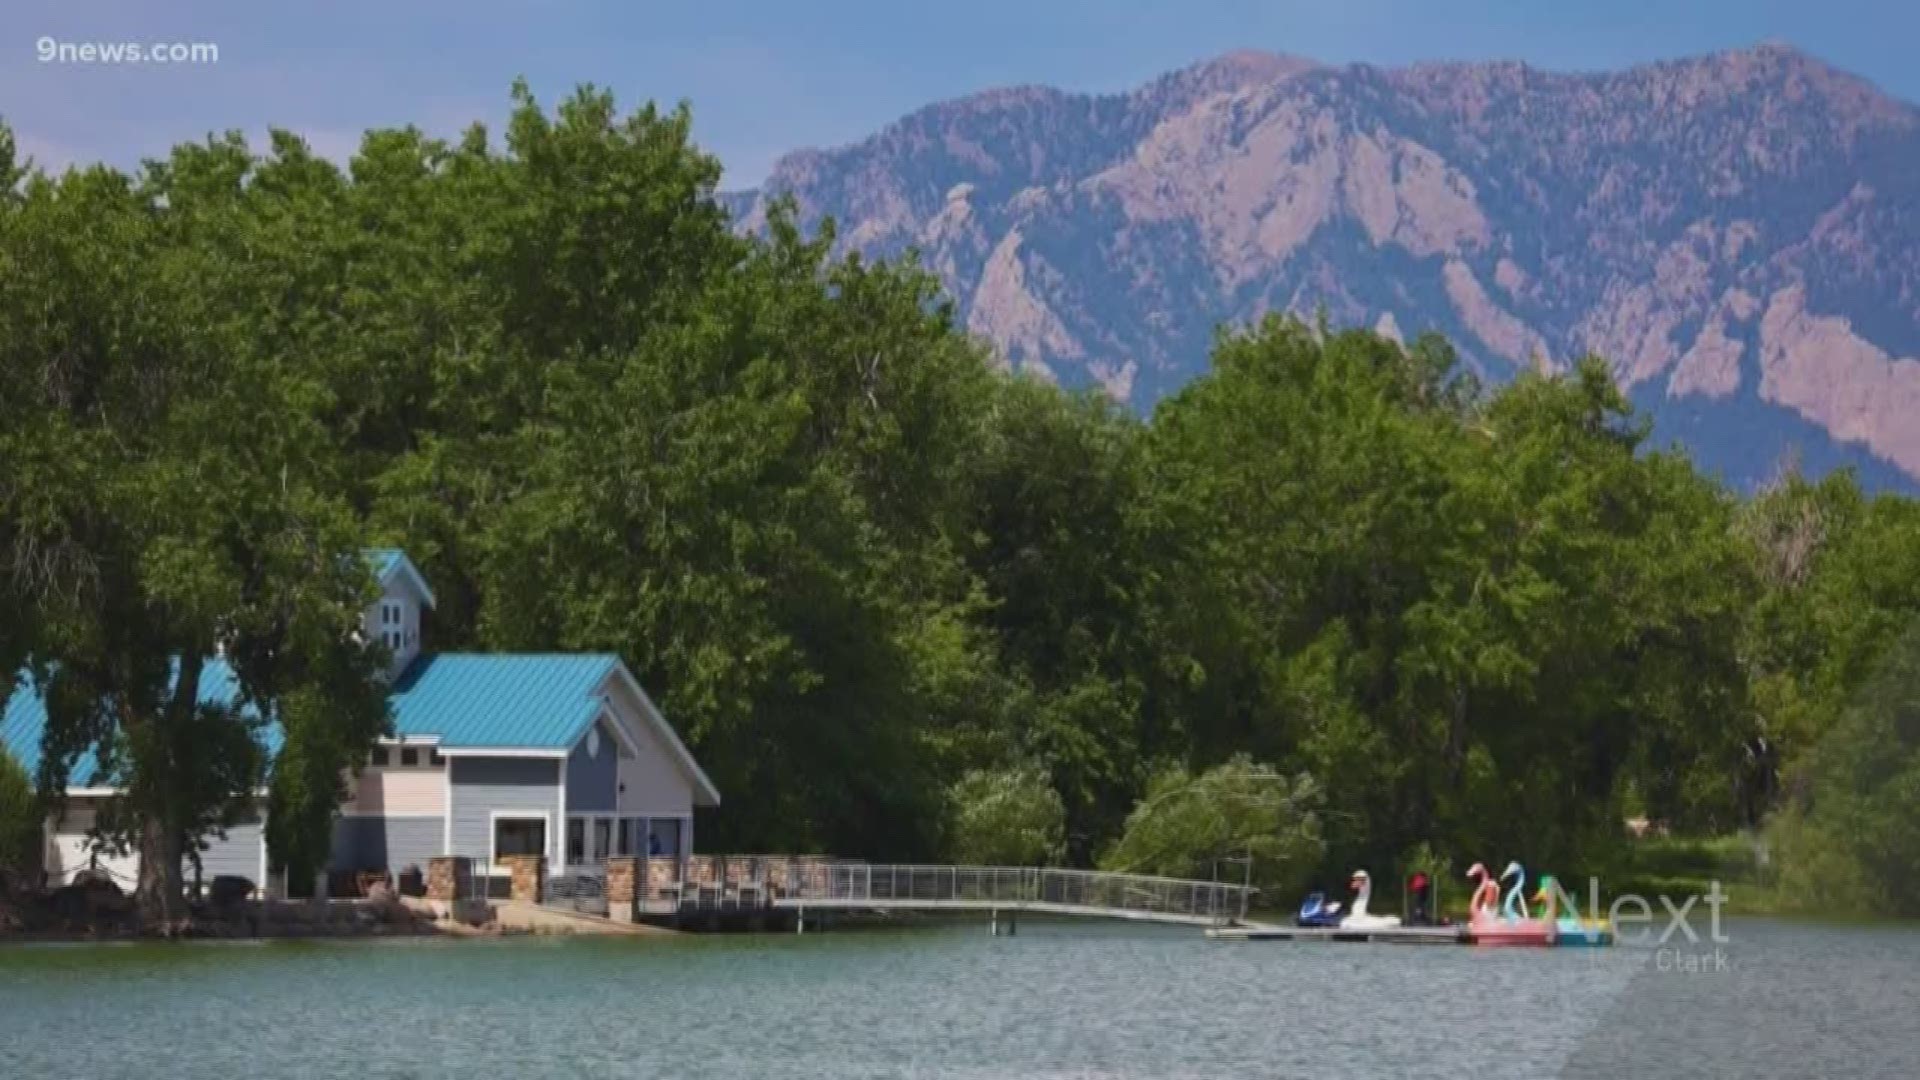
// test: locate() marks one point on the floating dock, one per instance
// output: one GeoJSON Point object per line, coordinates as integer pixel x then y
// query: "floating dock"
{"type": "Point", "coordinates": [1405, 935]}
{"type": "Point", "coordinates": [1397, 935]}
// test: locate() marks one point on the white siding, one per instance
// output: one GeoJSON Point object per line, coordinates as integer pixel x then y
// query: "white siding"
{"type": "Point", "coordinates": [69, 851]}
{"type": "Point", "coordinates": [651, 782]}
{"type": "Point", "coordinates": [402, 637]}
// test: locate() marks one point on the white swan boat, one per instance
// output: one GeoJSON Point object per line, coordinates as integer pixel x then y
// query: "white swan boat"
{"type": "Point", "coordinates": [1358, 918]}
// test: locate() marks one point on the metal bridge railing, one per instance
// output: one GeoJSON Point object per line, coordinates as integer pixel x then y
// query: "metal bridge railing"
{"type": "Point", "coordinates": [1135, 893]}
{"type": "Point", "coordinates": [576, 892]}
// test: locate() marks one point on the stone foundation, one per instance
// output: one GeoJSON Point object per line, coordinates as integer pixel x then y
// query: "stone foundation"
{"type": "Point", "coordinates": [529, 876]}
{"type": "Point", "coordinates": [450, 878]}
{"type": "Point", "coordinates": [623, 881]}
{"type": "Point", "coordinates": [663, 876]}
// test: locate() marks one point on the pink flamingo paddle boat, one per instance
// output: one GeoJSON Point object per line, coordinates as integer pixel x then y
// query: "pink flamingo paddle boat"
{"type": "Point", "coordinates": [1486, 895]}
{"type": "Point", "coordinates": [1510, 926]}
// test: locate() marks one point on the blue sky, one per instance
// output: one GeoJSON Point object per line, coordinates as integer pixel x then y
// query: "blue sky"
{"type": "Point", "coordinates": [766, 76]}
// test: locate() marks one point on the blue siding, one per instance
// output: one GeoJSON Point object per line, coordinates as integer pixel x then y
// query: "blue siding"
{"type": "Point", "coordinates": [237, 855]}
{"type": "Point", "coordinates": [481, 786]}
{"type": "Point", "coordinates": [593, 779]}
{"type": "Point", "coordinates": [386, 843]}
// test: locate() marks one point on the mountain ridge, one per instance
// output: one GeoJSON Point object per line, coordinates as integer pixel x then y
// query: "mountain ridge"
{"type": "Point", "coordinates": [1736, 228]}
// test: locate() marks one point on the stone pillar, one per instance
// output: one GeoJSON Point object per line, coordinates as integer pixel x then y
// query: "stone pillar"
{"type": "Point", "coordinates": [449, 878]}
{"type": "Point", "coordinates": [663, 875]}
{"type": "Point", "coordinates": [623, 887]}
{"type": "Point", "coordinates": [529, 874]}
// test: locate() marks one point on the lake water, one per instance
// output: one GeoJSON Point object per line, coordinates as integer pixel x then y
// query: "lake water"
{"type": "Point", "coordinates": [1060, 1000]}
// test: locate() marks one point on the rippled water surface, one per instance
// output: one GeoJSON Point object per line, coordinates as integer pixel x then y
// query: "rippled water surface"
{"type": "Point", "coordinates": [1060, 1000]}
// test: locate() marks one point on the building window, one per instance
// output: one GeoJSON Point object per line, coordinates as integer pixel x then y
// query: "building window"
{"type": "Point", "coordinates": [410, 758]}
{"type": "Point", "coordinates": [602, 838]}
{"type": "Point", "coordinates": [576, 840]}
{"type": "Point", "coordinates": [380, 757]}
{"type": "Point", "coordinates": [664, 837]}
{"type": "Point", "coordinates": [519, 836]}
{"type": "Point", "coordinates": [434, 759]}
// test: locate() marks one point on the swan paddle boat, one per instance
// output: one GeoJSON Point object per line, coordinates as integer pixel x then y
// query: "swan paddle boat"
{"type": "Point", "coordinates": [1317, 910]}
{"type": "Point", "coordinates": [1570, 931]}
{"type": "Point", "coordinates": [1485, 901]}
{"type": "Point", "coordinates": [1511, 925]}
{"type": "Point", "coordinates": [1358, 918]}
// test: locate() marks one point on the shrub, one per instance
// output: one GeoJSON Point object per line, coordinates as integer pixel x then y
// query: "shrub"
{"type": "Point", "coordinates": [228, 890]}
{"type": "Point", "coordinates": [21, 835]}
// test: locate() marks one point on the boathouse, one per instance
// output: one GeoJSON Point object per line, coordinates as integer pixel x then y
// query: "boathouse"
{"type": "Point", "coordinates": [561, 755]}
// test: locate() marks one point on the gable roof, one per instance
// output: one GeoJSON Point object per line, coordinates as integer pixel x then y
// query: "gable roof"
{"type": "Point", "coordinates": [389, 563]}
{"type": "Point", "coordinates": [467, 701]}
{"type": "Point", "coordinates": [524, 701]}
{"type": "Point", "coordinates": [705, 794]}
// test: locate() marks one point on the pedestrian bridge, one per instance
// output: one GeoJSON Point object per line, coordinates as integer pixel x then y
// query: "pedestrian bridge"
{"type": "Point", "coordinates": [804, 887]}
{"type": "Point", "coordinates": [1008, 890]}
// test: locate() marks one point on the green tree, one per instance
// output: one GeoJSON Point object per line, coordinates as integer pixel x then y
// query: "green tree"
{"type": "Point", "coordinates": [1840, 585]}
{"type": "Point", "coordinates": [1011, 817]}
{"type": "Point", "coordinates": [22, 825]}
{"type": "Point", "coordinates": [1053, 482]}
{"type": "Point", "coordinates": [184, 498]}
{"type": "Point", "coordinates": [1187, 824]}
{"type": "Point", "coordinates": [1849, 841]}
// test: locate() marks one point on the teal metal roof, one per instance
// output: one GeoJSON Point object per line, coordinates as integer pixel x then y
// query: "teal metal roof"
{"type": "Point", "coordinates": [25, 718]}
{"type": "Point", "coordinates": [539, 701]}
{"type": "Point", "coordinates": [477, 700]}
{"type": "Point", "coordinates": [385, 560]}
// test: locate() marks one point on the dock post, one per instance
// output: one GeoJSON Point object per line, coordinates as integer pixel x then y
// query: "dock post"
{"type": "Point", "coordinates": [800, 920]}
{"type": "Point", "coordinates": [1013, 922]}
{"type": "Point", "coordinates": [993, 922]}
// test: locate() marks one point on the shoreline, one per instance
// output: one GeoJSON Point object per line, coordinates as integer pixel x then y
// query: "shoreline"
{"type": "Point", "coordinates": [272, 920]}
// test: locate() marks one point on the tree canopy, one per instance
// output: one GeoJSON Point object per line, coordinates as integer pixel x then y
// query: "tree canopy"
{"type": "Point", "coordinates": [885, 589]}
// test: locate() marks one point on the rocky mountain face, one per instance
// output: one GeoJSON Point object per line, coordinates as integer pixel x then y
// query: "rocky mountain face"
{"type": "Point", "coordinates": [1739, 233]}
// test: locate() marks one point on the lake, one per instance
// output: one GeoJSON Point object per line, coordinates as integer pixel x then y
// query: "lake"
{"type": "Point", "coordinates": [1060, 1000]}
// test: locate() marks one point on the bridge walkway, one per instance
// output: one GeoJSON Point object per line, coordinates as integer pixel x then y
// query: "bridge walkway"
{"type": "Point", "coordinates": [1012, 889]}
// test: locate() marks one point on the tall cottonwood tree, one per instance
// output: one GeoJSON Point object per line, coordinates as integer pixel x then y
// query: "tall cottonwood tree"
{"type": "Point", "coordinates": [178, 502]}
